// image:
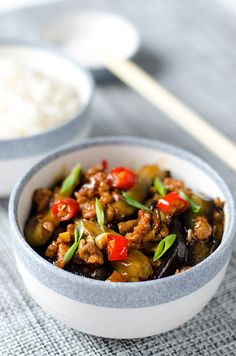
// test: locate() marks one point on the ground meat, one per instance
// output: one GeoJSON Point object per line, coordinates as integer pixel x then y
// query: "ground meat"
{"type": "Point", "coordinates": [202, 229]}
{"type": "Point", "coordinates": [163, 232]}
{"type": "Point", "coordinates": [127, 226]}
{"type": "Point", "coordinates": [149, 228]}
{"type": "Point", "coordinates": [62, 249]}
{"type": "Point", "coordinates": [68, 236]}
{"type": "Point", "coordinates": [173, 185]}
{"type": "Point", "coordinates": [143, 227]}
{"type": "Point", "coordinates": [87, 207]}
{"type": "Point", "coordinates": [52, 249]}
{"type": "Point", "coordinates": [41, 199]}
{"type": "Point", "coordinates": [57, 249]}
{"type": "Point", "coordinates": [93, 170]}
{"type": "Point", "coordinates": [89, 253]}
{"type": "Point", "coordinates": [95, 187]}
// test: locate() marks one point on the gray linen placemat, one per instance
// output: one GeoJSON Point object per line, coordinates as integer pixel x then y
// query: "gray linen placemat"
{"type": "Point", "coordinates": [189, 47]}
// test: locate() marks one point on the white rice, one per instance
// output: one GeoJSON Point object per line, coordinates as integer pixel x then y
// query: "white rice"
{"type": "Point", "coordinates": [31, 102]}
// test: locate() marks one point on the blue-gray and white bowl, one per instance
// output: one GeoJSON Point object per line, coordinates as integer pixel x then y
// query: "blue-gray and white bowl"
{"type": "Point", "coordinates": [17, 155]}
{"type": "Point", "coordinates": [119, 310]}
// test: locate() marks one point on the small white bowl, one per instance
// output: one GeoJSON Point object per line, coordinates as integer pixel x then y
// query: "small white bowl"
{"type": "Point", "coordinates": [121, 310]}
{"type": "Point", "coordinates": [81, 35]}
{"type": "Point", "coordinates": [16, 155]}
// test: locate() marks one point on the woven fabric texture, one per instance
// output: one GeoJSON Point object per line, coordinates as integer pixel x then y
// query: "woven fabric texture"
{"type": "Point", "coordinates": [189, 47]}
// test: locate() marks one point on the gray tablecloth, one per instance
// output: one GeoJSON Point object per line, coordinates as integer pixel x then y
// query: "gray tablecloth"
{"type": "Point", "coordinates": [189, 46]}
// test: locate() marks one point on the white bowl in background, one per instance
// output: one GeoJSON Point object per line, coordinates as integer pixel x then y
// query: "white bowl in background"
{"type": "Point", "coordinates": [81, 35]}
{"type": "Point", "coordinates": [18, 154]}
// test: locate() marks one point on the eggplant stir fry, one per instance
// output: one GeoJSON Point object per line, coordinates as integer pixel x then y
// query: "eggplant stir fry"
{"type": "Point", "coordinates": [121, 225]}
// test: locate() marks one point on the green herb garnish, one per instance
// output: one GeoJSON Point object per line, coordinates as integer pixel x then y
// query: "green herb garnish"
{"type": "Point", "coordinates": [100, 214]}
{"type": "Point", "coordinates": [163, 246]}
{"type": "Point", "coordinates": [159, 186]}
{"type": "Point", "coordinates": [193, 207]}
{"type": "Point", "coordinates": [78, 232]}
{"type": "Point", "coordinates": [70, 181]}
{"type": "Point", "coordinates": [134, 202]}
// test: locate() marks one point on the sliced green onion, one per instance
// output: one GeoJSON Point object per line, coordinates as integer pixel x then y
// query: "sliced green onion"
{"type": "Point", "coordinates": [134, 202]}
{"type": "Point", "coordinates": [159, 186]}
{"type": "Point", "coordinates": [70, 181]}
{"type": "Point", "coordinates": [100, 214]}
{"type": "Point", "coordinates": [163, 246]}
{"type": "Point", "coordinates": [78, 232]}
{"type": "Point", "coordinates": [193, 207]}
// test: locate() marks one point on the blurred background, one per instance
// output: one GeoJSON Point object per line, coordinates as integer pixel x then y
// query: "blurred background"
{"type": "Point", "coordinates": [187, 46]}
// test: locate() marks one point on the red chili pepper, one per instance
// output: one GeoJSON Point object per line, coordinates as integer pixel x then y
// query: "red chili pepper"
{"type": "Point", "coordinates": [104, 164]}
{"type": "Point", "coordinates": [64, 209]}
{"type": "Point", "coordinates": [172, 204]}
{"type": "Point", "coordinates": [121, 178]}
{"type": "Point", "coordinates": [117, 248]}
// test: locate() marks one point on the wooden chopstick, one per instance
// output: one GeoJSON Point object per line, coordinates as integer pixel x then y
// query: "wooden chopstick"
{"type": "Point", "coordinates": [136, 78]}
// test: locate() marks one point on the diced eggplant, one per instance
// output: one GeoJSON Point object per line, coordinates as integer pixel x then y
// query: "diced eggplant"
{"type": "Point", "coordinates": [218, 224]}
{"type": "Point", "coordinates": [40, 228]}
{"type": "Point", "coordinates": [93, 229]}
{"type": "Point", "coordinates": [207, 207]}
{"type": "Point", "coordinates": [176, 256]}
{"type": "Point", "coordinates": [115, 277]}
{"type": "Point", "coordinates": [100, 273]}
{"type": "Point", "coordinates": [136, 268]}
{"type": "Point", "coordinates": [198, 251]}
{"type": "Point", "coordinates": [139, 192]}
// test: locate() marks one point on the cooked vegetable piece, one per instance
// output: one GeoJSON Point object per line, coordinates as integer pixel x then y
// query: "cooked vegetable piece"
{"type": "Point", "coordinates": [136, 268]}
{"type": "Point", "coordinates": [101, 240]}
{"type": "Point", "coordinates": [139, 191]}
{"type": "Point", "coordinates": [176, 256]}
{"type": "Point", "coordinates": [64, 209]}
{"type": "Point", "coordinates": [70, 182]}
{"type": "Point", "coordinates": [92, 228]}
{"type": "Point", "coordinates": [121, 178]}
{"type": "Point", "coordinates": [117, 249]}
{"type": "Point", "coordinates": [100, 214]}
{"type": "Point", "coordinates": [40, 228]}
{"type": "Point", "coordinates": [159, 186]}
{"type": "Point", "coordinates": [163, 246]}
{"type": "Point", "coordinates": [134, 202]}
{"type": "Point", "coordinates": [206, 205]}
{"type": "Point", "coordinates": [115, 277]}
{"type": "Point", "coordinates": [99, 273]}
{"type": "Point", "coordinates": [78, 233]}
{"type": "Point", "coordinates": [218, 224]}
{"type": "Point", "coordinates": [172, 204]}
{"type": "Point", "coordinates": [198, 251]}
{"type": "Point", "coordinates": [193, 206]}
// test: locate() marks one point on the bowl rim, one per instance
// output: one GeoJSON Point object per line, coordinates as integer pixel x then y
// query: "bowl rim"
{"type": "Point", "coordinates": [24, 141]}
{"type": "Point", "coordinates": [132, 141]}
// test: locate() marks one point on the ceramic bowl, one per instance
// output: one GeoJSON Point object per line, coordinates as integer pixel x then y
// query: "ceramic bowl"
{"type": "Point", "coordinates": [118, 310]}
{"type": "Point", "coordinates": [79, 35]}
{"type": "Point", "coordinates": [16, 155]}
